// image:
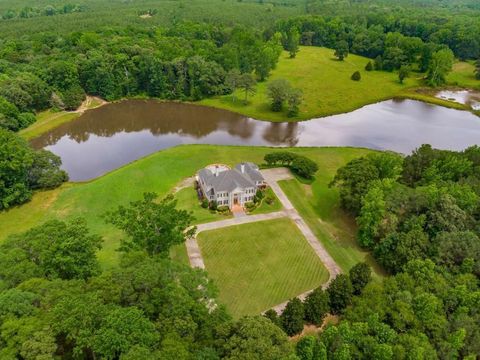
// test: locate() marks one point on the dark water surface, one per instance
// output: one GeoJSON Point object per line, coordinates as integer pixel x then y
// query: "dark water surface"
{"type": "Point", "coordinates": [108, 137]}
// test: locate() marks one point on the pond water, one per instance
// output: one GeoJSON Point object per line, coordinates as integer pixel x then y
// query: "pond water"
{"type": "Point", "coordinates": [466, 97]}
{"type": "Point", "coordinates": [106, 138]}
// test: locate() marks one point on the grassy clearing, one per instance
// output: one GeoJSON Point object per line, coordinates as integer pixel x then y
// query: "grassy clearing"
{"type": "Point", "coordinates": [463, 75]}
{"type": "Point", "coordinates": [47, 120]}
{"type": "Point", "coordinates": [259, 265]}
{"type": "Point", "coordinates": [319, 207]}
{"type": "Point", "coordinates": [326, 85]}
{"type": "Point", "coordinates": [159, 173]}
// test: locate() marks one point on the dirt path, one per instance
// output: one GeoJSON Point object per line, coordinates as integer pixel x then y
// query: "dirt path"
{"type": "Point", "coordinates": [87, 104]}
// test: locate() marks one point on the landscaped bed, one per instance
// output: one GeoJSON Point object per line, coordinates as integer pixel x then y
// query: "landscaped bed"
{"type": "Point", "coordinates": [259, 265]}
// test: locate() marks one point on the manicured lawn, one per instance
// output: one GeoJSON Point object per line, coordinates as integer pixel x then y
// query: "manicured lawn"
{"type": "Point", "coordinates": [47, 120]}
{"type": "Point", "coordinates": [188, 200]}
{"type": "Point", "coordinates": [319, 207]}
{"type": "Point", "coordinates": [265, 207]}
{"type": "Point", "coordinates": [259, 265]}
{"type": "Point", "coordinates": [326, 85]}
{"type": "Point", "coordinates": [159, 172]}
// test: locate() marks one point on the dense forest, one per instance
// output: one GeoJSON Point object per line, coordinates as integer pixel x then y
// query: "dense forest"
{"type": "Point", "coordinates": [418, 215]}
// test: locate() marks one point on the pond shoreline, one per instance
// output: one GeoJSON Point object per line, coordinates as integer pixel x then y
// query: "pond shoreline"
{"type": "Point", "coordinates": [118, 133]}
{"type": "Point", "coordinates": [425, 95]}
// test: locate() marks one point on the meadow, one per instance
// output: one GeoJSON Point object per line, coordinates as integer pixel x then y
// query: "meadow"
{"type": "Point", "coordinates": [259, 265]}
{"type": "Point", "coordinates": [325, 83]}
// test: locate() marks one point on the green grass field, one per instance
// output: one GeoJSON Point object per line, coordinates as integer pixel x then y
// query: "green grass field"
{"type": "Point", "coordinates": [265, 207]}
{"type": "Point", "coordinates": [159, 172]}
{"type": "Point", "coordinates": [463, 75]}
{"type": "Point", "coordinates": [259, 265]}
{"type": "Point", "coordinates": [326, 85]}
{"type": "Point", "coordinates": [319, 207]}
{"type": "Point", "coordinates": [187, 199]}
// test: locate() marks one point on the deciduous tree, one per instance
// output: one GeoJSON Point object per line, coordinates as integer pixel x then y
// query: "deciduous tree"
{"type": "Point", "coordinates": [151, 225]}
{"type": "Point", "coordinates": [341, 50]}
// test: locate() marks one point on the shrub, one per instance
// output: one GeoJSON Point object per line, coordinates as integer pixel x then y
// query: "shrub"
{"type": "Point", "coordinates": [213, 205]}
{"type": "Point", "coordinates": [26, 119]}
{"type": "Point", "coordinates": [369, 66]}
{"type": "Point", "coordinates": [45, 172]}
{"type": "Point", "coordinates": [205, 203]}
{"type": "Point", "coordinates": [223, 209]}
{"type": "Point", "coordinates": [356, 76]}
{"type": "Point", "coordinates": [269, 200]}
{"type": "Point", "coordinates": [284, 158]}
{"type": "Point", "coordinates": [250, 205]}
{"type": "Point", "coordinates": [304, 167]}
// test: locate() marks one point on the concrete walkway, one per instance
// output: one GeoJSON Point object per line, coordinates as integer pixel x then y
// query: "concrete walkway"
{"type": "Point", "coordinates": [272, 176]}
{"type": "Point", "coordinates": [193, 250]}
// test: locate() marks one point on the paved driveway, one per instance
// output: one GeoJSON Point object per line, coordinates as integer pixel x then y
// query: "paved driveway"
{"type": "Point", "coordinates": [272, 176]}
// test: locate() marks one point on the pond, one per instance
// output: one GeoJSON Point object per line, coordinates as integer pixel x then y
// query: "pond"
{"type": "Point", "coordinates": [465, 97]}
{"type": "Point", "coordinates": [106, 138]}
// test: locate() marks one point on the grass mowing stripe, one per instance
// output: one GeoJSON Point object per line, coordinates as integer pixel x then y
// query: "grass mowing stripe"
{"type": "Point", "coordinates": [259, 265]}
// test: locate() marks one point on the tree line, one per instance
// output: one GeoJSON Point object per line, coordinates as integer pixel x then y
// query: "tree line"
{"type": "Point", "coordinates": [390, 47]}
{"type": "Point", "coordinates": [24, 170]}
{"type": "Point", "coordinates": [188, 61]}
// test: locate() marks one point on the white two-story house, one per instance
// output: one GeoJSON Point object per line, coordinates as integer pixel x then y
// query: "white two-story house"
{"type": "Point", "coordinates": [230, 187]}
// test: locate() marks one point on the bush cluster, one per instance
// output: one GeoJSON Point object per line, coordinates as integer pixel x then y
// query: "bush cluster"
{"type": "Point", "coordinates": [299, 164]}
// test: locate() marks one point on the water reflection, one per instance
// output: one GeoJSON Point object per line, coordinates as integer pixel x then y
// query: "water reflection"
{"type": "Point", "coordinates": [111, 136]}
{"type": "Point", "coordinates": [466, 97]}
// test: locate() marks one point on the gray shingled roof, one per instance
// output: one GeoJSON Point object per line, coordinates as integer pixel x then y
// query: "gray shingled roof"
{"type": "Point", "coordinates": [229, 180]}
{"type": "Point", "coordinates": [252, 171]}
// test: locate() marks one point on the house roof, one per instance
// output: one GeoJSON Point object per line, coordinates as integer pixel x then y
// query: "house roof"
{"type": "Point", "coordinates": [229, 180]}
{"type": "Point", "coordinates": [251, 170]}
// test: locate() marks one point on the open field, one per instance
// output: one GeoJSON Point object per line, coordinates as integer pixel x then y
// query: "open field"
{"type": "Point", "coordinates": [259, 265]}
{"type": "Point", "coordinates": [326, 85]}
{"type": "Point", "coordinates": [159, 172]}
{"type": "Point", "coordinates": [319, 207]}
{"type": "Point", "coordinates": [463, 75]}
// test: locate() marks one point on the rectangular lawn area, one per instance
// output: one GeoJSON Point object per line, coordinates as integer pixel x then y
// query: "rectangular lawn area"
{"type": "Point", "coordinates": [259, 265]}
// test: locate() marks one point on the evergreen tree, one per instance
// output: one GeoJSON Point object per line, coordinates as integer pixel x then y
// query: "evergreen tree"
{"type": "Point", "coordinates": [360, 276]}
{"type": "Point", "coordinates": [356, 76]}
{"type": "Point", "coordinates": [316, 306]}
{"type": "Point", "coordinates": [292, 317]}
{"type": "Point", "coordinates": [340, 293]}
